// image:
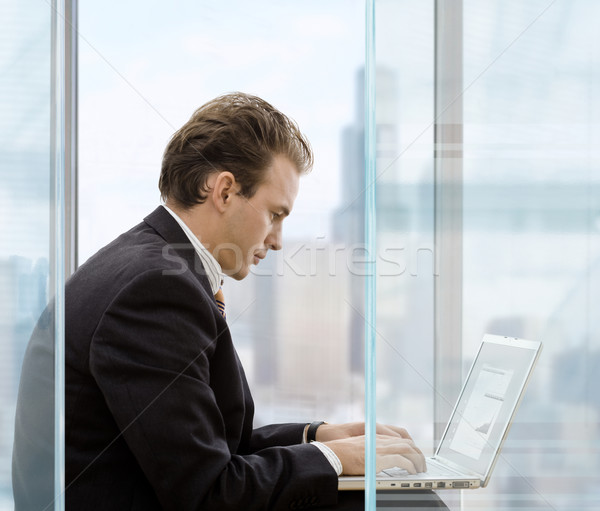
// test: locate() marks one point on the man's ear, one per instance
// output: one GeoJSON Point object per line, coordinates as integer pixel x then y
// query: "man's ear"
{"type": "Point", "coordinates": [225, 187]}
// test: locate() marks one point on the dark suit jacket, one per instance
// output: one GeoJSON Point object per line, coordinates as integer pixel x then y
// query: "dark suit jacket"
{"type": "Point", "coordinates": [158, 411]}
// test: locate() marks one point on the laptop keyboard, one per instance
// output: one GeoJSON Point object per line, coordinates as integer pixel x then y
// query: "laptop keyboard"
{"type": "Point", "coordinates": [433, 471]}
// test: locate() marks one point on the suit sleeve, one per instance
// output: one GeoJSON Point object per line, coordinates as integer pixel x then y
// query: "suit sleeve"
{"type": "Point", "coordinates": [151, 357]}
{"type": "Point", "coordinates": [275, 435]}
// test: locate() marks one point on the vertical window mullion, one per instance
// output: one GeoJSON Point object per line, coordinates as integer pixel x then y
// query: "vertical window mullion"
{"type": "Point", "coordinates": [71, 259]}
{"type": "Point", "coordinates": [448, 204]}
{"type": "Point", "coordinates": [370, 241]}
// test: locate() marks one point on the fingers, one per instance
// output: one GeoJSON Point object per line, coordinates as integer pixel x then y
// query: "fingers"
{"type": "Point", "coordinates": [395, 460]}
{"type": "Point", "coordinates": [386, 429]}
{"type": "Point", "coordinates": [390, 452]}
{"type": "Point", "coordinates": [331, 432]}
{"type": "Point", "coordinates": [401, 453]}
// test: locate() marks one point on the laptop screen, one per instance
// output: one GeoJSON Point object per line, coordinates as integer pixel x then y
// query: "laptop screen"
{"type": "Point", "coordinates": [487, 402]}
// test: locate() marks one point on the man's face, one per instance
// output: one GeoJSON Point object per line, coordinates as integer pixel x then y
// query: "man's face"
{"type": "Point", "coordinates": [253, 226]}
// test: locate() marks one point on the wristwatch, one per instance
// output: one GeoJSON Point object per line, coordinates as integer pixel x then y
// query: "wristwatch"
{"type": "Point", "coordinates": [311, 432]}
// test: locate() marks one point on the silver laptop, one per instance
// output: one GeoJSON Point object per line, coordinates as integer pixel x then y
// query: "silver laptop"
{"type": "Point", "coordinates": [478, 425]}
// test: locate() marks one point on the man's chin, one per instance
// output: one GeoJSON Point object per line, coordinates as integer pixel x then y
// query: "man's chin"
{"type": "Point", "coordinates": [240, 274]}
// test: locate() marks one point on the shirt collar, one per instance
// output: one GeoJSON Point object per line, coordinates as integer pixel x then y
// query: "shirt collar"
{"type": "Point", "coordinates": [211, 265]}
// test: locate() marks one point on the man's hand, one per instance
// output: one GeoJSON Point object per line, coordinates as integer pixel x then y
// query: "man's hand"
{"type": "Point", "coordinates": [327, 432]}
{"type": "Point", "coordinates": [390, 451]}
{"type": "Point", "coordinates": [394, 447]}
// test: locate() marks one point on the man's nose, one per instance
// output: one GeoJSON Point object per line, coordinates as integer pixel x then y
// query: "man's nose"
{"type": "Point", "coordinates": [273, 240]}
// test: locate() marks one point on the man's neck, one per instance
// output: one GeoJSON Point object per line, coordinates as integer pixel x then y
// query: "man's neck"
{"type": "Point", "coordinates": [198, 220]}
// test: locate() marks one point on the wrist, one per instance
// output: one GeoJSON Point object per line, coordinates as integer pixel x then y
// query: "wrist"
{"type": "Point", "coordinates": [311, 430]}
{"type": "Point", "coordinates": [331, 456]}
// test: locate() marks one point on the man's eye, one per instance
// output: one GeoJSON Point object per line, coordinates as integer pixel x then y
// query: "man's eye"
{"type": "Point", "coordinates": [275, 216]}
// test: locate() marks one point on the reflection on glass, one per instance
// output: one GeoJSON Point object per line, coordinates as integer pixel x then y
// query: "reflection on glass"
{"type": "Point", "coordinates": [26, 248]}
{"type": "Point", "coordinates": [404, 203]}
{"type": "Point", "coordinates": [531, 241]}
{"type": "Point", "coordinates": [405, 265]}
{"type": "Point", "coordinates": [294, 319]}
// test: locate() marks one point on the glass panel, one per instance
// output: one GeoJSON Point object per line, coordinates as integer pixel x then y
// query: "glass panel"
{"type": "Point", "coordinates": [370, 316]}
{"type": "Point", "coordinates": [531, 249]}
{"type": "Point", "coordinates": [294, 319]}
{"type": "Point", "coordinates": [405, 266]}
{"type": "Point", "coordinates": [405, 221]}
{"type": "Point", "coordinates": [405, 217]}
{"type": "Point", "coordinates": [27, 256]}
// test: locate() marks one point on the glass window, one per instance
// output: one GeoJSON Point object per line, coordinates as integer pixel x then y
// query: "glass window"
{"type": "Point", "coordinates": [527, 266]}
{"type": "Point", "coordinates": [404, 198]}
{"type": "Point", "coordinates": [29, 255]}
{"type": "Point", "coordinates": [143, 73]}
{"type": "Point", "coordinates": [531, 251]}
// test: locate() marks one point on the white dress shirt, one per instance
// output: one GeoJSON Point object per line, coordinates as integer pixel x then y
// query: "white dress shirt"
{"type": "Point", "coordinates": [211, 265]}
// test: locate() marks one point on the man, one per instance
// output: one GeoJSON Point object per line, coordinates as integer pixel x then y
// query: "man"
{"type": "Point", "coordinates": [158, 410]}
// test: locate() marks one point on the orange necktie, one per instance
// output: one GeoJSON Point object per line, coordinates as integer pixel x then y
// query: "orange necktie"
{"type": "Point", "coordinates": [220, 299]}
